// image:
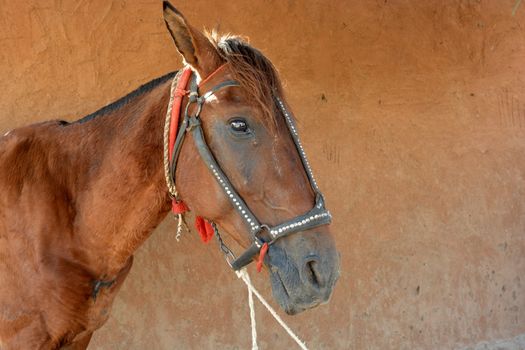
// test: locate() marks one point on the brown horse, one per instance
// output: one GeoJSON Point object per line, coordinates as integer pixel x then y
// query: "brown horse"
{"type": "Point", "coordinates": [78, 199]}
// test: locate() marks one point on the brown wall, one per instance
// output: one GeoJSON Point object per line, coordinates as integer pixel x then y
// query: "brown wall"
{"type": "Point", "coordinates": [413, 113]}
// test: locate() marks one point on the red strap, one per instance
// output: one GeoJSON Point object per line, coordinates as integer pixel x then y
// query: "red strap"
{"type": "Point", "coordinates": [204, 228]}
{"type": "Point", "coordinates": [180, 91]}
{"type": "Point", "coordinates": [223, 66]}
{"type": "Point", "coordinates": [262, 254]}
{"type": "Point", "coordinates": [178, 207]}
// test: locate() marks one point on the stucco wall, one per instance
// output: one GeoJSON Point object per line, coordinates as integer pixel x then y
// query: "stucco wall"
{"type": "Point", "coordinates": [413, 115]}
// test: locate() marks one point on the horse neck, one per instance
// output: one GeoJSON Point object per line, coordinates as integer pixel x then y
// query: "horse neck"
{"type": "Point", "coordinates": [121, 194]}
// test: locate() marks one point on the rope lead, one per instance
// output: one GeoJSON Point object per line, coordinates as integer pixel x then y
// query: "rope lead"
{"type": "Point", "coordinates": [243, 274]}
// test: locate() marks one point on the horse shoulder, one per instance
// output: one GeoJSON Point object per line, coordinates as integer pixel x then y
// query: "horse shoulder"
{"type": "Point", "coordinates": [19, 313]}
{"type": "Point", "coordinates": [45, 284]}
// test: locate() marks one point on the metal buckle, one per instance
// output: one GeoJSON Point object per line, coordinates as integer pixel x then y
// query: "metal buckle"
{"type": "Point", "coordinates": [194, 98]}
{"type": "Point", "coordinates": [193, 122]}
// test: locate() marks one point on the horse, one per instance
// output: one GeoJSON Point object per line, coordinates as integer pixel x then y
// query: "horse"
{"type": "Point", "coordinates": [79, 198]}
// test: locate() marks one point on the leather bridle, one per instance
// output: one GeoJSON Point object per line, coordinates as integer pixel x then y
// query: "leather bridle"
{"type": "Point", "coordinates": [192, 123]}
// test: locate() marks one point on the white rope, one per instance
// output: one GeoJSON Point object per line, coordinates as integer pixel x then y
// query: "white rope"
{"type": "Point", "coordinates": [252, 316]}
{"type": "Point", "coordinates": [243, 274]}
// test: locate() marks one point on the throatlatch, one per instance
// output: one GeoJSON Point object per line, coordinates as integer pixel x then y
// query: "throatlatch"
{"type": "Point", "coordinates": [192, 123]}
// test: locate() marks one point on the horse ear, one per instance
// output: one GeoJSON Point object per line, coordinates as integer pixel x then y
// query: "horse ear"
{"type": "Point", "coordinates": [194, 47]}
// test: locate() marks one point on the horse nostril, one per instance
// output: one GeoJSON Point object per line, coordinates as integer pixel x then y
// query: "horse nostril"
{"type": "Point", "coordinates": [312, 273]}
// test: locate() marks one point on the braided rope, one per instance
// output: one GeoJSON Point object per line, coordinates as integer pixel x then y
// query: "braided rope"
{"type": "Point", "coordinates": [169, 180]}
{"type": "Point", "coordinates": [181, 224]}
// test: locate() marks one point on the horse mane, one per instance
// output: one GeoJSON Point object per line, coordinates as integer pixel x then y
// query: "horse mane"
{"type": "Point", "coordinates": [251, 69]}
{"type": "Point", "coordinates": [127, 98]}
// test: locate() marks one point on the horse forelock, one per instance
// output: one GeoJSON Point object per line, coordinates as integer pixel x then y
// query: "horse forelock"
{"type": "Point", "coordinates": [254, 72]}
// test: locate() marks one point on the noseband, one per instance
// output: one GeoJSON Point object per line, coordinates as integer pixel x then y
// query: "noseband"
{"type": "Point", "coordinates": [192, 123]}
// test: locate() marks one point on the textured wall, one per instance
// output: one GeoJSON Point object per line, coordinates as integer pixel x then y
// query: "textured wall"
{"type": "Point", "coordinates": [413, 114]}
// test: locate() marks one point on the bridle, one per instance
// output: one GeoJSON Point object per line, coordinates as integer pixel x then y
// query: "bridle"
{"type": "Point", "coordinates": [192, 123]}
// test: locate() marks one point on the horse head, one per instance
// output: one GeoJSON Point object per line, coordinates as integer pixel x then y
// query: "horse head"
{"type": "Point", "coordinates": [247, 130]}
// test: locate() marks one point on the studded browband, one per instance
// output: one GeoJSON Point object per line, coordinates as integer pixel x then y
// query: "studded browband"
{"type": "Point", "coordinates": [317, 216]}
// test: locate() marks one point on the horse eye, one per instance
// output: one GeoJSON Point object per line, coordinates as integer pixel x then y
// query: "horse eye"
{"type": "Point", "coordinates": [239, 125]}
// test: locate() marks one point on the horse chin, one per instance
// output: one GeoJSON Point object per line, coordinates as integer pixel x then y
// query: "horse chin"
{"type": "Point", "coordinates": [282, 296]}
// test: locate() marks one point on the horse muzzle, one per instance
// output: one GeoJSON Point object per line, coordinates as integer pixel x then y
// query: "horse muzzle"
{"type": "Point", "coordinates": [302, 277]}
